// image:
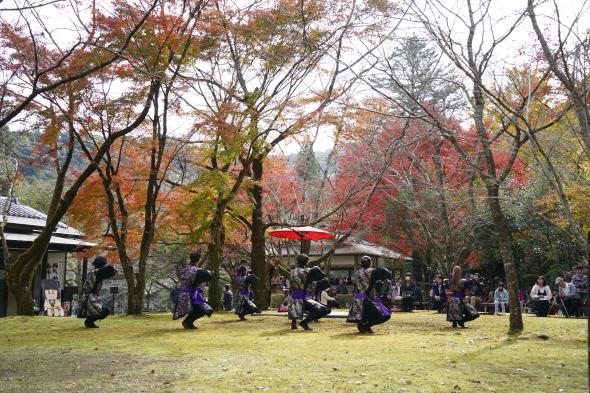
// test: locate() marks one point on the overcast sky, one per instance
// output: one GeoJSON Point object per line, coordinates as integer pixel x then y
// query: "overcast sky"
{"type": "Point", "coordinates": [503, 13]}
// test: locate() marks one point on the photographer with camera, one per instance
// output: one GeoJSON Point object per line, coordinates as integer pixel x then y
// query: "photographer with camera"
{"type": "Point", "coordinates": [567, 298]}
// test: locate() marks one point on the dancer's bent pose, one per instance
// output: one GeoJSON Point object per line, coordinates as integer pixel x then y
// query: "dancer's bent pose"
{"type": "Point", "coordinates": [245, 298]}
{"type": "Point", "coordinates": [301, 302]}
{"type": "Point", "coordinates": [191, 301]}
{"type": "Point", "coordinates": [92, 309]}
{"type": "Point", "coordinates": [368, 310]}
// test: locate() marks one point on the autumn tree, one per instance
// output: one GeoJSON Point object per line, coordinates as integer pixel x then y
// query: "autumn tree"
{"type": "Point", "coordinates": [35, 60]}
{"type": "Point", "coordinates": [70, 107]}
{"type": "Point", "coordinates": [567, 57]}
{"type": "Point", "coordinates": [253, 90]}
{"type": "Point", "coordinates": [499, 123]}
{"type": "Point", "coordinates": [131, 187]}
{"type": "Point", "coordinates": [429, 191]}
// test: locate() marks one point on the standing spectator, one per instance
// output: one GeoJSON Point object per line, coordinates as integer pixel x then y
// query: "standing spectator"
{"type": "Point", "coordinates": [394, 290]}
{"type": "Point", "coordinates": [417, 295]}
{"type": "Point", "coordinates": [228, 298]}
{"type": "Point", "coordinates": [580, 281]}
{"type": "Point", "coordinates": [438, 294]}
{"type": "Point", "coordinates": [541, 296]}
{"type": "Point", "coordinates": [341, 288]}
{"type": "Point", "coordinates": [407, 293]}
{"type": "Point", "coordinates": [567, 297]}
{"type": "Point", "coordinates": [271, 269]}
{"type": "Point", "coordinates": [500, 299]}
{"type": "Point", "coordinates": [475, 291]}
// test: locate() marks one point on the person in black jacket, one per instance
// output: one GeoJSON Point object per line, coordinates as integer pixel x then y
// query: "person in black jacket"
{"type": "Point", "coordinates": [475, 288]}
{"type": "Point", "coordinates": [438, 294]}
{"type": "Point", "coordinates": [92, 309]}
{"type": "Point", "coordinates": [228, 298]}
{"type": "Point", "coordinates": [407, 293]}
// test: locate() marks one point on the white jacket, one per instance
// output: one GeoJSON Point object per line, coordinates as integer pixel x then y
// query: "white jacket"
{"type": "Point", "coordinates": [325, 297]}
{"type": "Point", "coordinates": [535, 293]}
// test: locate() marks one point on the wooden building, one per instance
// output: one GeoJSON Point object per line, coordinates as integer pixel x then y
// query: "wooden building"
{"type": "Point", "coordinates": [22, 227]}
{"type": "Point", "coordinates": [347, 257]}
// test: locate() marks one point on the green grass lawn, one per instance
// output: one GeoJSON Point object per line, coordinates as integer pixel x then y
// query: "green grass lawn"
{"type": "Point", "coordinates": [416, 352]}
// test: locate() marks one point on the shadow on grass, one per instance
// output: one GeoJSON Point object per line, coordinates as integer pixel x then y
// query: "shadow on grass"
{"type": "Point", "coordinates": [229, 322]}
{"type": "Point", "coordinates": [286, 331]}
{"type": "Point", "coordinates": [354, 335]}
{"type": "Point", "coordinates": [155, 332]}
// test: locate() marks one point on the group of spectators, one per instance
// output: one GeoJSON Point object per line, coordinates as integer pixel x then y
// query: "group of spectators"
{"type": "Point", "coordinates": [569, 297]}
{"type": "Point", "coordinates": [474, 294]}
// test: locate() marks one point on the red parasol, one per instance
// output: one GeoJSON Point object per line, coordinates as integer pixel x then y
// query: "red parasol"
{"type": "Point", "coordinates": [301, 233]}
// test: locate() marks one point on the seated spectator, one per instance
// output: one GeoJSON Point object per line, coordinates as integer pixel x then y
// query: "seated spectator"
{"type": "Point", "coordinates": [580, 281]}
{"type": "Point", "coordinates": [500, 299]}
{"type": "Point", "coordinates": [475, 291]}
{"type": "Point", "coordinates": [407, 293]}
{"type": "Point", "coordinates": [438, 294]}
{"type": "Point", "coordinates": [328, 300]}
{"type": "Point", "coordinates": [417, 294]}
{"type": "Point", "coordinates": [541, 296]}
{"type": "Point", "coordinates": [341, 288]}
{"type": "Point", "coordinates": [567, 298]}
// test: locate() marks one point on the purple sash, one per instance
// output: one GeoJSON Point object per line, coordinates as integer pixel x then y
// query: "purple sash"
{"type": "Point", "coordinates": [298, 294]}
{"type": "Point", "coordinates": [198, 297]}
{"type": "Point", "coordinates": [360, 295]}
{"type": "Point", "coordinates": [384, 310]}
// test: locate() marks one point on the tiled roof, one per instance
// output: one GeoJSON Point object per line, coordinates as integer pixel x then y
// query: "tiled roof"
{"type": "Point", "coordinates": [27, 216]}
{"type": "Point", "coordinates": [349, 247]}
{"type": "Point", "coordinates": [18, 210]}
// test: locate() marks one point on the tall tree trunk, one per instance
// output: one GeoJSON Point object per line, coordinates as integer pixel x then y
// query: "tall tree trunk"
{"type": "Point", "coordinates": [20, 273]}
{"type": "Point", "coordinates": [491, 182]}
{"type": "Point", "coordinates": [258, 254]}
{"type": "Point", "coordinates": [21, 287]}
{"type": "Point", "coordinates": [505, 244]}
{"type": "Point", "coordinates": [215, 254]}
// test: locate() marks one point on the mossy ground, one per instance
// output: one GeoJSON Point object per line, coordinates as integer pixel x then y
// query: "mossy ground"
{"type": "Point", "coordinates": [416, 352]}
